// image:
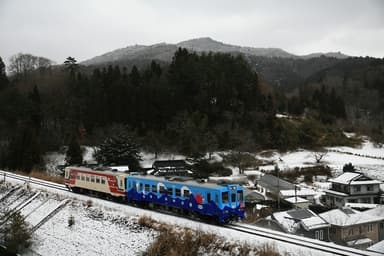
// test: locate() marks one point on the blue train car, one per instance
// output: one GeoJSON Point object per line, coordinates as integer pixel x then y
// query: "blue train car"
{"type": "Point", "coordinates": [220, 202]}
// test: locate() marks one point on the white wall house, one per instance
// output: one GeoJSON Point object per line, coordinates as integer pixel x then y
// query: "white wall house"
{"type": "Point", "coordinates": [352, 187]}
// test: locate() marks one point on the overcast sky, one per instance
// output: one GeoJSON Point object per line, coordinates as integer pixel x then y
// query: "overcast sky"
{"type": "Point", "coordinates": [85, 28]}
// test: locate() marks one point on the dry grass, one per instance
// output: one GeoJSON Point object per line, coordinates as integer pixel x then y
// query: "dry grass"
{"type": "Point", "coordinates": [39, 174]}
{"type": "Point", "coordinates": [186, 242]}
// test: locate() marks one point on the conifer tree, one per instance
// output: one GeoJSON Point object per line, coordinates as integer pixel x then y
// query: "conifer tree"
{"type": "Point", "coordinates": [119, 149]}
{"type": "Point", "coordinates": [74, 154]}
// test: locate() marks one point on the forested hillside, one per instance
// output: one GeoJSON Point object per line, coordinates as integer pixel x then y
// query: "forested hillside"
{"type": "Point", "coordinates": [196, 104]}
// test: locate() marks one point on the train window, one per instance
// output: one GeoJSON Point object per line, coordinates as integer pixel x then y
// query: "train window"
{"type": "Point", "coordinates": [224, 197]}
{"type": "Point", "coordinates": [154, 188]}
{"type": "Point", "coordinates": [87, 178]}
{"type": "Point", "coordinates": [102, 180]}
{"type": "Point", "coordinates": [134, 185]}
{"type": "Point", "coordinates": [187, 194]}
{"type": "Point", "coordinates": [216, 198]}
{"type": "Point", "coordinates": [141, 187]}
{"type": "Point", "coordinates": [233, 197]}
{"type": "Point", "coordinates": [162, 189]}
{"type": "Point", "coordinates": [146, 187]}
{"type": "Point", "coordinates": [92, 178]}
{"type": "Point", "coordinates": [177, 192]}
{"type": "Point", "coordinates": [82, 177]}
{"type": "Point", "coordinates": [97, 179]}
{"type": "Point", "coordinates": [77, 176]}
{"type": "Point", "coordinates": [209, 197]}
{"type": "Point", "coordinates": [170, 191]}
{"type": "Point", "coordinates": [240, 195]}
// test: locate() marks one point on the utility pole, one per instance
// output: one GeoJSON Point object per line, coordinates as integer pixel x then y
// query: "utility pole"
{"type": "Point", "coordinates": [278, 187]}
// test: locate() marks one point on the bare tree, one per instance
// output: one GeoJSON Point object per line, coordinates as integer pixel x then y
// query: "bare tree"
{"type": "Point", "coordinates": [22, 63]}
{"type": "Point", "coordinates": [319, 156]}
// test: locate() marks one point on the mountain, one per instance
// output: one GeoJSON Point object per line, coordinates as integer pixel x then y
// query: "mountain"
{"type": "Point", "coordinates": [164, 52]}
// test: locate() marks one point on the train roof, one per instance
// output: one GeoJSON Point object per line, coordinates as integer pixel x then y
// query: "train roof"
{"type": "Point", "coordinates": [182, 180]}
{"type": "Point", "coordinates": [101, 170]}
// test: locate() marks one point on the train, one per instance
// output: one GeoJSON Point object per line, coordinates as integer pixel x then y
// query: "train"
{"type": "Point", "coordinates": [221, 203]}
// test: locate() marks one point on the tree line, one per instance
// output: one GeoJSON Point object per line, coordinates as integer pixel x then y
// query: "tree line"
{"type": "Point", "coordinates": [197, 104]}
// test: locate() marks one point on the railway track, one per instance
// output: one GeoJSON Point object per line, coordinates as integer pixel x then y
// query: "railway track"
{"type": "Point", "coordinates": [321, 246]}
{"type": "Point", "coordinates": [4, 175]}
{"type": "Point", "coordinates": [317, 245]}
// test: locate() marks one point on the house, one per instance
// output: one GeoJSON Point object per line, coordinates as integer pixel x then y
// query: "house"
{"type": "Point", "coordinates": [352, 187]}
{"type": "Point", "coordinates": [305, 193]}
{"type": "Point", "coordinates": [171, 168]}
{"type": "Point", "coordinates": [303, 222]}
{"type": "Point", "coordinates": [270, 186]}
{"type": "Point", "coordinates": [297, 202]}
{"type": "Point", "coordinates": [352, 228]}
{"type": "Point", "coordinates": [378, 212]}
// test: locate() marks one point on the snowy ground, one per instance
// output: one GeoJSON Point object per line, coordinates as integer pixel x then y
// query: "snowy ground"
{"type": "Point", "coordinates": [108, 228]}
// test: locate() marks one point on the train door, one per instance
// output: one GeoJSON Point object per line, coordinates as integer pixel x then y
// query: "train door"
{"type": "Point", "coordinates": [233, 196]}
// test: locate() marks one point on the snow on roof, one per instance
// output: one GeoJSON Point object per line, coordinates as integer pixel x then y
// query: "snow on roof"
{"type": "Point", "coordinates": [346, 177]}
{"type": "Point", "coordinates": [299, 192]}
{"type": "Point", "coordinates": [297, 199]}
{"type": "Point", "coordinates": [359, 241]}
{"type": "Point", "coordinates": [354, 179]}
{"type": "Point", "coordinates": [377, 247]}
{"type": "Point", "coordinates": [361, 206]}
{"type": "Point", "coordinates": [292, 219]}
{"type": "Point", "coordinates": [348, 217]}
{"type": "Point", "coordinates": [377, 211]}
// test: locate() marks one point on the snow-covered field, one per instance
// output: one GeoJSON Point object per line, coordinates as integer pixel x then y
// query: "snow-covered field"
{"type": "Point", "coordinates": [108, 228]}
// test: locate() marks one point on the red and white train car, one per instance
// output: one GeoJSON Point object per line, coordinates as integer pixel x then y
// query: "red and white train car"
{"type": "Point", "coordinates": [105, 182]}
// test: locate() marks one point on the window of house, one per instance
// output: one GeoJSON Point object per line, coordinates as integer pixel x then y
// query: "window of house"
{"type": "Point", "coordinates": [357, 188]}
{"type": "Point", "coordinates": [381, 225]}
{"type": "Point", "coordinates": [321, 235]}
{"type": "Point", "coordinates": [369, 188]}
{"type": "Point", "coordinates": [370, 227]}
{"type": "Point", "coordinates": [317, 235]}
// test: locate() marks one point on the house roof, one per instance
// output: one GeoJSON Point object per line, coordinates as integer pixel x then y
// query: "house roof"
{"type": "Point", "coordinates": [377, 247]}
{"type": "Point", "coordinates": [354, 178]}
{"type": "Point", "coordinates": [292, 219]}
{"type": "Point", "coordinates": [294, 200]}
{"type": "Point", "coordinates": [359, 241]}
{"type": "Point", "coordinates": [275, 184]}
{"type": "Point", "coordinates": [377, 211]}
{"type": "Point", "coordinates": [348, 217]}
{"type": "Point", "coordinates": [299, 192]}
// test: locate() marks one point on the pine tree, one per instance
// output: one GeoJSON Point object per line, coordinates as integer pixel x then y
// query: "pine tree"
{"type": "Point", "coordinates": [119, 149]}
{"type": "Point", "coordinates": [17, 234]}
{"type": "Point", "coordinates": [74, 155]}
